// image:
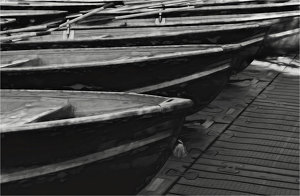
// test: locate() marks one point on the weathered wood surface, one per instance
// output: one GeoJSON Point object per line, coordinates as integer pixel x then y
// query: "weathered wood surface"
{"type": "Point", "coordinates": [20, 112]}
{"type": "Point", "coordinates": [86, 104]}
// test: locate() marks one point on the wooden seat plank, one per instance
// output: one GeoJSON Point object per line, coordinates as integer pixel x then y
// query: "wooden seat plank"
{"type": "Point", "coordinates": [40, 110]}
{"type": "Point", "coordinates": [22, 63]}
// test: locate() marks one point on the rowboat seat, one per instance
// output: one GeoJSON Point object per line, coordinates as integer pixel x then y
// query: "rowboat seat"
{"type": "Point", "coordinates": [34, 61]}
{"type": "Point", "coordinates": [19, 111]}
{"type": "Point", "coordinates": [20, 107]}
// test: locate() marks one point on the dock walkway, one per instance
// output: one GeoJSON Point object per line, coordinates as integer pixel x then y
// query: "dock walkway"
{"type": "Point", "coordinates": [244, 142]}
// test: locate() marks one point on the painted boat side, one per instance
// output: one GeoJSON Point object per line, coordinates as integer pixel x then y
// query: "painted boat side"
{"type": "Point", "coordinates": [98, 176]}
{"type": "Point", "coordinates": [116, 77]}
{"type": "Point", "coordinates": [282, 38]}
{"type": "Point", "coordinates": [92, 154]}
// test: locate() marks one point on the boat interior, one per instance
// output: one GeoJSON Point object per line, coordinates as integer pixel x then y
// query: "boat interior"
{"type": "Point", "coordinates": [19, 107]}
{"type": "Point", "coordinates": [34, 58]}
{"type": "Point", "coordinates": [111, 33]}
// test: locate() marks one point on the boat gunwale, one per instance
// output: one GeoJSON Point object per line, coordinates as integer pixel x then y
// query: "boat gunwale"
{"type": "Point", "coordinates": [170, 104]}
{"type": "Point", "coordinates": [283, 34]}
{"type": "Point", "coordinates": [119, 61]}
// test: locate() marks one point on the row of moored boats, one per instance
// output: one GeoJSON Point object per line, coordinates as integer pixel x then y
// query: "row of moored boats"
{"type": "Point", "coordinates": [94, 92]}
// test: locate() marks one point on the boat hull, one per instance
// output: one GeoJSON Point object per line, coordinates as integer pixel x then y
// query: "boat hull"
{"type": "Point", "coordinates": [202, 91]}
{"type": "Point", "coordinates": [242, 59]}
{"type": "Point", "coordinates": [122, 154]}
{"type": "Point", "coordinates": [280, 43]}
{"type": "Point", "coordinates": [199, 77]}
{"type": "Point", "coordinates": [248, 53]}
{"type": "Point", "coordinates": [115, 178]}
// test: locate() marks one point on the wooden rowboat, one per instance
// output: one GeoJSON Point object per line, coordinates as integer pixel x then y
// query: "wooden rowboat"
{"type": "Point", "coordinates": [206, 2]}
{"type": "Point", "coordinates": [180, 26]}
{"type": "Point", "coordinates": [165, 34]}
{"type": "Point", "coordinates": [66, 142]}
{"type": "Point", "coordinates": [231, 6]}
{"type": "Point", "coordinates": [130, 21]}
{"type": "Point", "coordinates": [147, 36]}
{"type": "Point", "coordinates": [160, 35]}
{"type": "Point", "coordinates": [49, 5]}
{"type": "Point", "coordinates": [206, 9]}
{"type": "Point", "coordinates": [197, 72]}
{"type": "Point", "coordinates": [30, 13]}
{"type": "Point", "coordinates": [69, 1]}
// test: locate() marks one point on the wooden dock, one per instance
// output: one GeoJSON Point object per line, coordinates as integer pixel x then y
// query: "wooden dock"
{"type": "Point", "coordinates": [244, 142]}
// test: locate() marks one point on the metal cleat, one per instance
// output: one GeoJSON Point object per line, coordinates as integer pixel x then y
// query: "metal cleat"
{"type": "Point", "coordinates": [68, 33]}
{"type": "Point", "coordinates": [160, 20]}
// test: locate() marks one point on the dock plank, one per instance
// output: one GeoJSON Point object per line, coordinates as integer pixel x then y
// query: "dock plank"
{"type": "Point", "coordinates": [286, 128]}
{"type": "Point", "coordinates": [269, 121]}
{"type": "Point", "coordinates": [257, 150]}
{"type": "Point", "coordinates": [271, 115]}
{"type": "Point", "coordinates": [289, 153]}
{"type": "Point", "coordinates": [267, 109]}
{"type": "Point", "coordinates": [289, 143]}
{"type": "Point", "coordinates": [234, 185]}
{"type": "Point", "coordinates": [258, 136]}
{"type": "Point", "coordinates": [253, 159]}
{"type": "Point", "coordinates": [183, 189]}
{"type": "Point", "coordinates": [259, 172]}
{"type": "Point", "coordinates": [258, 131]}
